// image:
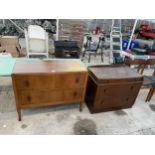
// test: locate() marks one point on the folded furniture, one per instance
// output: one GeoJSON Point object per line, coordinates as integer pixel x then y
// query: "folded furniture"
{"type": "Point", "coordinates": [93, 48]}
{"type": "Point", "coordinates": [42, 83]}
{"type": "Point", "coordinates": [36, 41]}
{"type": "Point", "coordinates": [112, 87]}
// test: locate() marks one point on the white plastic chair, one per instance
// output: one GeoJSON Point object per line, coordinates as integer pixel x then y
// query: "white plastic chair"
{"type": "Point", "coordinates": [36, 41]}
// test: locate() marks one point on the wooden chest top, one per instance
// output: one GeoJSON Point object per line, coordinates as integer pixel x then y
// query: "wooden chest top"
{"type": "Point", "coordinates": [48, 66]}
{"type": "Point", "coordinates": [113, 73]}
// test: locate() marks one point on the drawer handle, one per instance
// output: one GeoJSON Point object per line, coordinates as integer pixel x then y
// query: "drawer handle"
{"type": "Point", "coordinates": [29, 98]}
{"type": "Point", "coordinates": [27, 83]}
{"type": "Point", "coordinates": [131, 87]}
{"type": "Point", "coordinates": [75, 94]}
{"type": "Point", "coordinates": [77, 80]}
{"type": "Point", "coordinates": [102, 102]}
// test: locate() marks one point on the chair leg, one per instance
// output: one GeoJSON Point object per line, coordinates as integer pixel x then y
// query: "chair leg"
{"type": "Point", "coordinates": [84, 52]}
{"type": "Point", "coordinates": [102, 56]}
{"type": "Point", "coordinates": [142, 69]}
{"type": "Point", "coordinates": [138, 69]}
{"type": "Point", "coordinates": [152, 92]}
{"type": "Point", "coordinates": [95, 53]}
{"type": "Point", "coordinates": [148, 95]}
{"type": "Point", "coordinates": [89, 57]}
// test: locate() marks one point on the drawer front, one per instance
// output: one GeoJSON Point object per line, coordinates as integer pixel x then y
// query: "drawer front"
{"type": "Point", "coordinates": [35, 98]}
{"type": "Point", "coordinates": [73, 95]}
{"type": "Point", "coordinates": [34, 82]}
{"type": "Point", "coordinates": [71, 80]}
{"type": "Point", "coordinates": [117, 95]}
{"type": "Point", "coordinates": [47, 97]}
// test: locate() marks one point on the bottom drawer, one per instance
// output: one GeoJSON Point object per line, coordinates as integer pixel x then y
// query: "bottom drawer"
{"type": "Point", "coordinates": [50, 97]}
{"type": "Point", "coordinates": [109, 97]}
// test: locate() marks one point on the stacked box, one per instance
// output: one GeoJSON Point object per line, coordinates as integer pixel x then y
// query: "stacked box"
{"type": "Point", "coordinates": [72, 30]}
{"type": "Point", "coordinates": [11, 45]}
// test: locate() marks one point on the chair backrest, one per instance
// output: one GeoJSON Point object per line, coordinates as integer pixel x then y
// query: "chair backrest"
{"type": "Point", "coordinates": [150, 62]}
{"type": "Point", "coordinates": [36, 32]}
{"type": "Point", "coordinates": [135, 62]}
{"type": "Point", "coordinates": [140, 62]}
{"type": "Point", "coordinates": [37, 38]}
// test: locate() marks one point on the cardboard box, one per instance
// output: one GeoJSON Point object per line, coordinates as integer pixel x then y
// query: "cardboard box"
{"type": "Point", "coordinates": [11, 45]}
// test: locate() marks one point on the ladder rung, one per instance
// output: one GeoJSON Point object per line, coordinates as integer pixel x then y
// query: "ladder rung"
{"type": "Point", "coordinates": [114, 51]}
{"type": "Point", "coordinates": [115, 35]}
{"type": "Point", "coordinates": [115, 27]}
{"type": "Point", "coordinates": [116, 31]}
{"type": "Point", "coordinates": [116, 43]}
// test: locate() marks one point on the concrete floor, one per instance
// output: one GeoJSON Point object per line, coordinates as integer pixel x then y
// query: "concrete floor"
{"type": "Point", "coordinates": [67, 120]}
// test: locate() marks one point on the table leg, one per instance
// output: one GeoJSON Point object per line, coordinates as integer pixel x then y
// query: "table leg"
{"type": "Point", "coordinates": [152, 92]}
{"type": "Point", "coordinates": [81, 106]}
{"type": "Point", "coordinates": [19, 114]}
{"type": "Point", "coordinates": [148, 95]}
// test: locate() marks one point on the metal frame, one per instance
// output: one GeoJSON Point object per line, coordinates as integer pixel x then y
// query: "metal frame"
{"type": "Point", "coordinates": [115, 32]}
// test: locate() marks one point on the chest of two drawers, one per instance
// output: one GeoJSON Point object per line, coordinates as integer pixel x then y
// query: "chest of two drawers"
{"type": "Point", "coordinates": [34, 90]}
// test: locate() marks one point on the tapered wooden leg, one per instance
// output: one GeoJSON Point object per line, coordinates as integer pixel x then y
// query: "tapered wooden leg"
{"type": "Point", "coordinates": [19, 114]}
{"type": "Point", "coordinates": [151, 94]}
{"type": "Point", "coordinates": [81, 106]}
{"type": "Point", "coordinates": [148, 95]}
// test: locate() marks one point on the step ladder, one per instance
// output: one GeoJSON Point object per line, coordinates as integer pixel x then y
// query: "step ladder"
{"type": "Point", "coordinates": [115, 40]}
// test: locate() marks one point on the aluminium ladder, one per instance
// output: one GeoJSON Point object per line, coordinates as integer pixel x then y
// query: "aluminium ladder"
{"type": "Point", "coordinates": [115, 40]}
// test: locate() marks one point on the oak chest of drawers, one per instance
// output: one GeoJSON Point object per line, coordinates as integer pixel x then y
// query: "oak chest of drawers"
{"type": "Point", "coordinates": [112, 87]}
{"type": "Point", "coordinates": [42, 83]}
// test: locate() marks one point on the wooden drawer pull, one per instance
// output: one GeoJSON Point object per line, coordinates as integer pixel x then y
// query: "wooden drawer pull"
{"type": "Point", "coordinates": [77, 80]}
{"type": "Point", "coordinates": [29, 98]}
{"type": "Point", "coordinates": [27, 83]}
{"type": "Point", "coordinates": [131, 87]}
{"type": "Point", "coordinates": [127, 99]}
{"type": "Point", "coordinates": [75, 94]}
{"type": "Point", "coordinates": [102, 102]}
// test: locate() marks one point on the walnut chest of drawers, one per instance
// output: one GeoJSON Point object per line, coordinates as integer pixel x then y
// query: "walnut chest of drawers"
{"type": "Point", "coordinates": [42, 83]}
{"type": "Point", "coordinates": [112, 88]}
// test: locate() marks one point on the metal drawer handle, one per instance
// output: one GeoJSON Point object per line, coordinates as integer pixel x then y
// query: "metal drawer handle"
{"type": "Point", "coordinates": [29, 98]}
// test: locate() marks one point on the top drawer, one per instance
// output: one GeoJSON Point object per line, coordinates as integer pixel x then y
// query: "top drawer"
{"type": "Point", "coordinates": [71, 80]}
{"type": "Point", "coordinates": [24, 82]}
{"type": "Point", "coordinates": [53, 81]}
